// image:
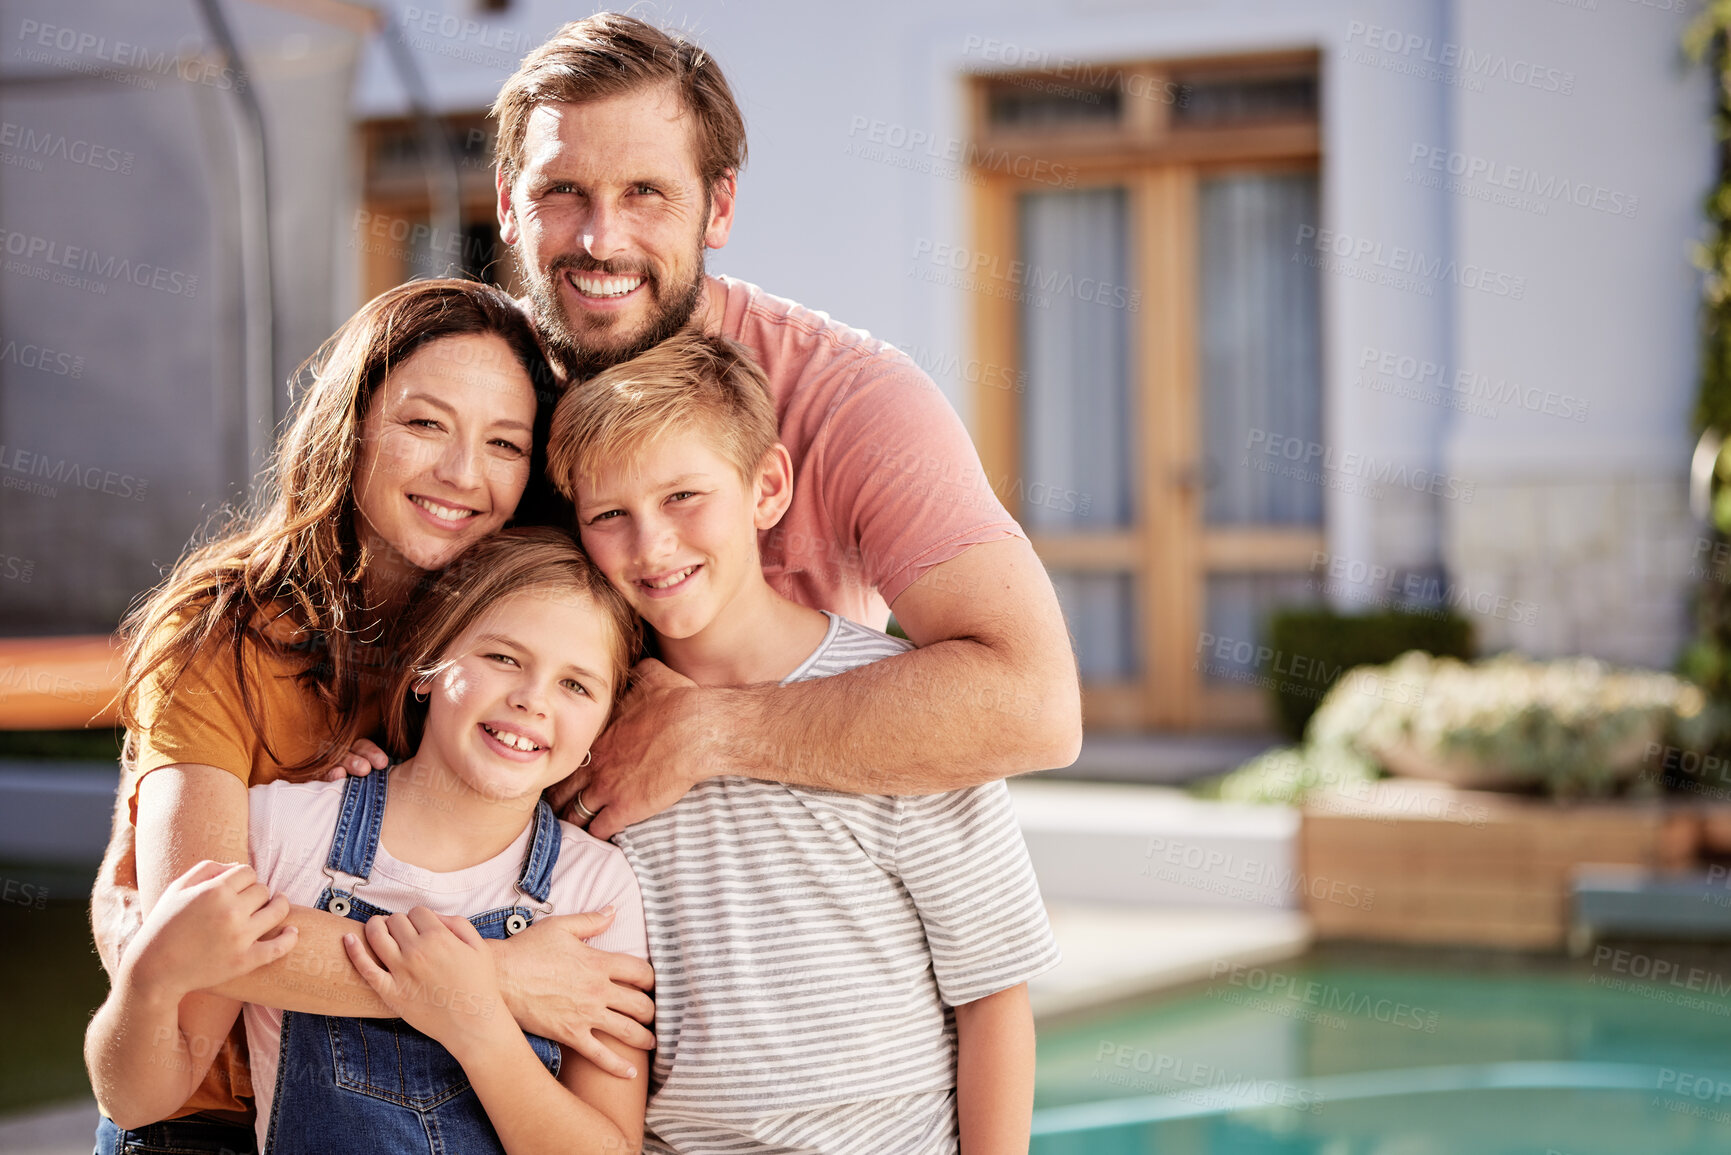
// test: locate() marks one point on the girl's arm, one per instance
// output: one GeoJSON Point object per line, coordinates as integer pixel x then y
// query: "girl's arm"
{"type": "Point", "coordinates": [995, 1072]}
{"type": "Point", "coordinates": [439, 976]}
{"type": "Point", "coordinates": [554, 983]}
{"type": "Point", "coordinates": [152, 1041]}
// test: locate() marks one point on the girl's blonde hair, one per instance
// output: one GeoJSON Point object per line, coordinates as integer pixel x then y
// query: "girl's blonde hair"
{"type": "Point", "coordinates": [284, 575]}
{"type": "Point", "coordinates": [528, 560]}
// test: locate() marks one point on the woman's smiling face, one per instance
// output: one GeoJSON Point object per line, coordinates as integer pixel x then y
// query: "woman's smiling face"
{"type": "Point", "coordinates": [444, 453]}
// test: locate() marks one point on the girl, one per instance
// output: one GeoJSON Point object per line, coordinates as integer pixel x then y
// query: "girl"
{"type": "Point", "coordinates": [420, 431]}
{"type": "Point", "coordinates": [513, 661]}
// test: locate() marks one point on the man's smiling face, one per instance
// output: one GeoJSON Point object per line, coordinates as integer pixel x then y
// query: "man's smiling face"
{"type": "Point", "coordinates": [609, 218]}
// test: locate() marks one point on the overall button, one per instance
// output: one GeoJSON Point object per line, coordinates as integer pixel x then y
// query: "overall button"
{"type": "Point", "coordinates": [340, 906]}
{"type": "Point", "coordinates": [515, 924]}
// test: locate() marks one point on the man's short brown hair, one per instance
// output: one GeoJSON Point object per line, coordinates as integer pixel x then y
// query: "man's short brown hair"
{"type": "Point", "coordinates": [689, 383]}
{"type": "Point", "coordinates": [608, 55]}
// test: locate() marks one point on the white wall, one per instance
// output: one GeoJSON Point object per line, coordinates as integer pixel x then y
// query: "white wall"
{"type": "Point", "coordinates": [1583, 302]}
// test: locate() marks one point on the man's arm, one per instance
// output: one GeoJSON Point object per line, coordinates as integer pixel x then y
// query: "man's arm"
{"type": "Point", "coordinates": [991, 691]}
{"type": "Point", "coordinates": [555, 985]}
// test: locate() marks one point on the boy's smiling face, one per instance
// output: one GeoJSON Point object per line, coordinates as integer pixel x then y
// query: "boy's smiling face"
{"type": "Point", "coordinates": [674, 527]}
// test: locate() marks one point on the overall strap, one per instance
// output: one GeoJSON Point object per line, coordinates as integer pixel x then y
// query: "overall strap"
{"type": "Point", "coordinates": [357, 834]}
{"type": "Point", "coordinates": [536, 880]}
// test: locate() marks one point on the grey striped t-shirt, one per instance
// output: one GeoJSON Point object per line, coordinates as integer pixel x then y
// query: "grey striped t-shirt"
{"type": "Point", "coordinates": [809, 944]}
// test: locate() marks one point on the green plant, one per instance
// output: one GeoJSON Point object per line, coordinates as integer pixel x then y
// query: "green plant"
{"type": "Point", "coordinates": [1325, 644]}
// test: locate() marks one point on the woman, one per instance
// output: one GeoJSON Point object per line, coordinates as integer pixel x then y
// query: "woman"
{"type": "Point", "coordinates": [261, 657]}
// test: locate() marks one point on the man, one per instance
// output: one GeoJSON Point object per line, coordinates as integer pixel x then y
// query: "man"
{"type": "Point", "coordinates": [619, 149]}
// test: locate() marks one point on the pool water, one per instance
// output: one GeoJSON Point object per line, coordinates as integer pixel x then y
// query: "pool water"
{"type": "Point", "coordinates": [1397, 1053]}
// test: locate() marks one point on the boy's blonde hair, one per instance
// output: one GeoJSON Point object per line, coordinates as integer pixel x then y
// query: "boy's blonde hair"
{"type": "Point", "coordinates": [689, 383]}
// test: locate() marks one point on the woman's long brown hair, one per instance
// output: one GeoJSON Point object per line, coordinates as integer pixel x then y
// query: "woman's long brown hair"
{"type": "Point", "coordinates": [284, 575]}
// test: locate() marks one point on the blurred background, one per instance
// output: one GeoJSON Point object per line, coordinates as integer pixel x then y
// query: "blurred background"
{"type": "Point", "coordinates": [1356, 366]}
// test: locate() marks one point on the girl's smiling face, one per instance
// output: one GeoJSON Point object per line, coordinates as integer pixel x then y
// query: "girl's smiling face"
{"type": "Point", "coordinates": [522, 694]}
{"type": "Point", "coordinates": [444, 453]}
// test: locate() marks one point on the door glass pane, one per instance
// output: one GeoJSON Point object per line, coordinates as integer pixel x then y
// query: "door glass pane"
{"type": "Point", "coordinates": [1076, 466]}
{"type": "Point", "coordinates": [1260, 351]}
{"type": "Point", "coordinates": [1239, 607]}
{"type": "Point", "coordinates": [1100, 609]}
{"type": "Point", "coordinates": [1075, 350]}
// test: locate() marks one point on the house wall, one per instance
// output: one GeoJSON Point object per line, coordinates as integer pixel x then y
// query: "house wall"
{"type": "Point", "coordinates": [1454, 306]}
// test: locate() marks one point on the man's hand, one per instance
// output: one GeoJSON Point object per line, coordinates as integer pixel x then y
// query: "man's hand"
{"type": "Point", "coordinates": [436, 974]}
{"type": "Point", "coordinates": [558, 986]}
{"type": "Point", "coordinates": [212, 924]}
{"type": "Point", "coordinates": [647, 757]}
{"type": "Point", "coordinates": [362, 759]}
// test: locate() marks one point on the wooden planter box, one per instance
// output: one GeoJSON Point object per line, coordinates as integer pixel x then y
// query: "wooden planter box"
{"type": "Point", "coordinates": [1432, 864]}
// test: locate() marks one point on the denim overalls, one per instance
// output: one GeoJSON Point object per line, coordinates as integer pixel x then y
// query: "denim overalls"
{"type": "Point", "coordinates": [347, 1084]}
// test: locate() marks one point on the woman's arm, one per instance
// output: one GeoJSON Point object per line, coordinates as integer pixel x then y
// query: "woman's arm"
{"type": "Point", "coordinates": [585, 1110]}
{"type": "Point", "coordinates": [554, 983]}
{"type": "Point", "coordinates": [995, 1072]}
{"type": "Point", "coordinates": [152, 1041]}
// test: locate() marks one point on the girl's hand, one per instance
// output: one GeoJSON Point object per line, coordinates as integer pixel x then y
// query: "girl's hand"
{"type": "Point", "coordinates": [437, 975]}
{"type": "Point", "coordinates": [212, 924]}
{"type": "Point", "coordinates": [362, 759]}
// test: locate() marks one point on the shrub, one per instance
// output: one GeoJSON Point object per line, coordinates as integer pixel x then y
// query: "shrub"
{"type": "Point", "coordinates": [1336, 642]}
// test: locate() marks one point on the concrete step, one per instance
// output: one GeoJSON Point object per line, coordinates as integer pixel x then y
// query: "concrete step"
{"type": "Point", "coordinates": [1095, 843]}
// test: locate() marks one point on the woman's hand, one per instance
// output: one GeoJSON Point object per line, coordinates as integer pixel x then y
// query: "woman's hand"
{"type": "Point", "coordinates": [558, 986]}
{"type": "Point", "coordinates": [362, 759]}
{"type": "Point", "coordinates": [212, 924]}
{"type": "Point", "coordinates": [437, 974]}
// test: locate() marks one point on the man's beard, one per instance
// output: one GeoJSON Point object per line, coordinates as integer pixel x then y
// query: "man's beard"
{"type": "Point", "coordinates": [579, 360]}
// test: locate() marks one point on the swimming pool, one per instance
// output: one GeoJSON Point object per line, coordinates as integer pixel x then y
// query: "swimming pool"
{"type": "Point", "coordinates": [1404, 1053]}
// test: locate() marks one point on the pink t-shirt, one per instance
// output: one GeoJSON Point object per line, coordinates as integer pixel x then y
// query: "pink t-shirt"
{"type": "Point", "coordinates": [290, 829]}
{"type": "Point", "coordinates": [887, 483]}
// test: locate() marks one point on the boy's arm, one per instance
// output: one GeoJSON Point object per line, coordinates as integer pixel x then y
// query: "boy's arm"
{"type": "Point", "coordinates": [152, 1041]}
{"type": "Point", "coordinates": [991, 691]}
{"type": "Point", "coordinates": [995, 1072]}
{"type": "Point", "coordinates": [555, 985]}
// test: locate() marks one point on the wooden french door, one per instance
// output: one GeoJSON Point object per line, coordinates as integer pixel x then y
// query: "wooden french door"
{"type": "Point", "coordinates": [1156, 322]}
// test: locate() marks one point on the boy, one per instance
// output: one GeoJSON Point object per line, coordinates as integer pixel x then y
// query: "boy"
{"type": "Point", "coordinates": [834, 972]}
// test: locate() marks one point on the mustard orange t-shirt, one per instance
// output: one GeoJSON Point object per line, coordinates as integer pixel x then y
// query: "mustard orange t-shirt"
{"type": "Point", "coordinates": [887, 482]}
{"type": "Point", "coordinates": [203, 721]}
